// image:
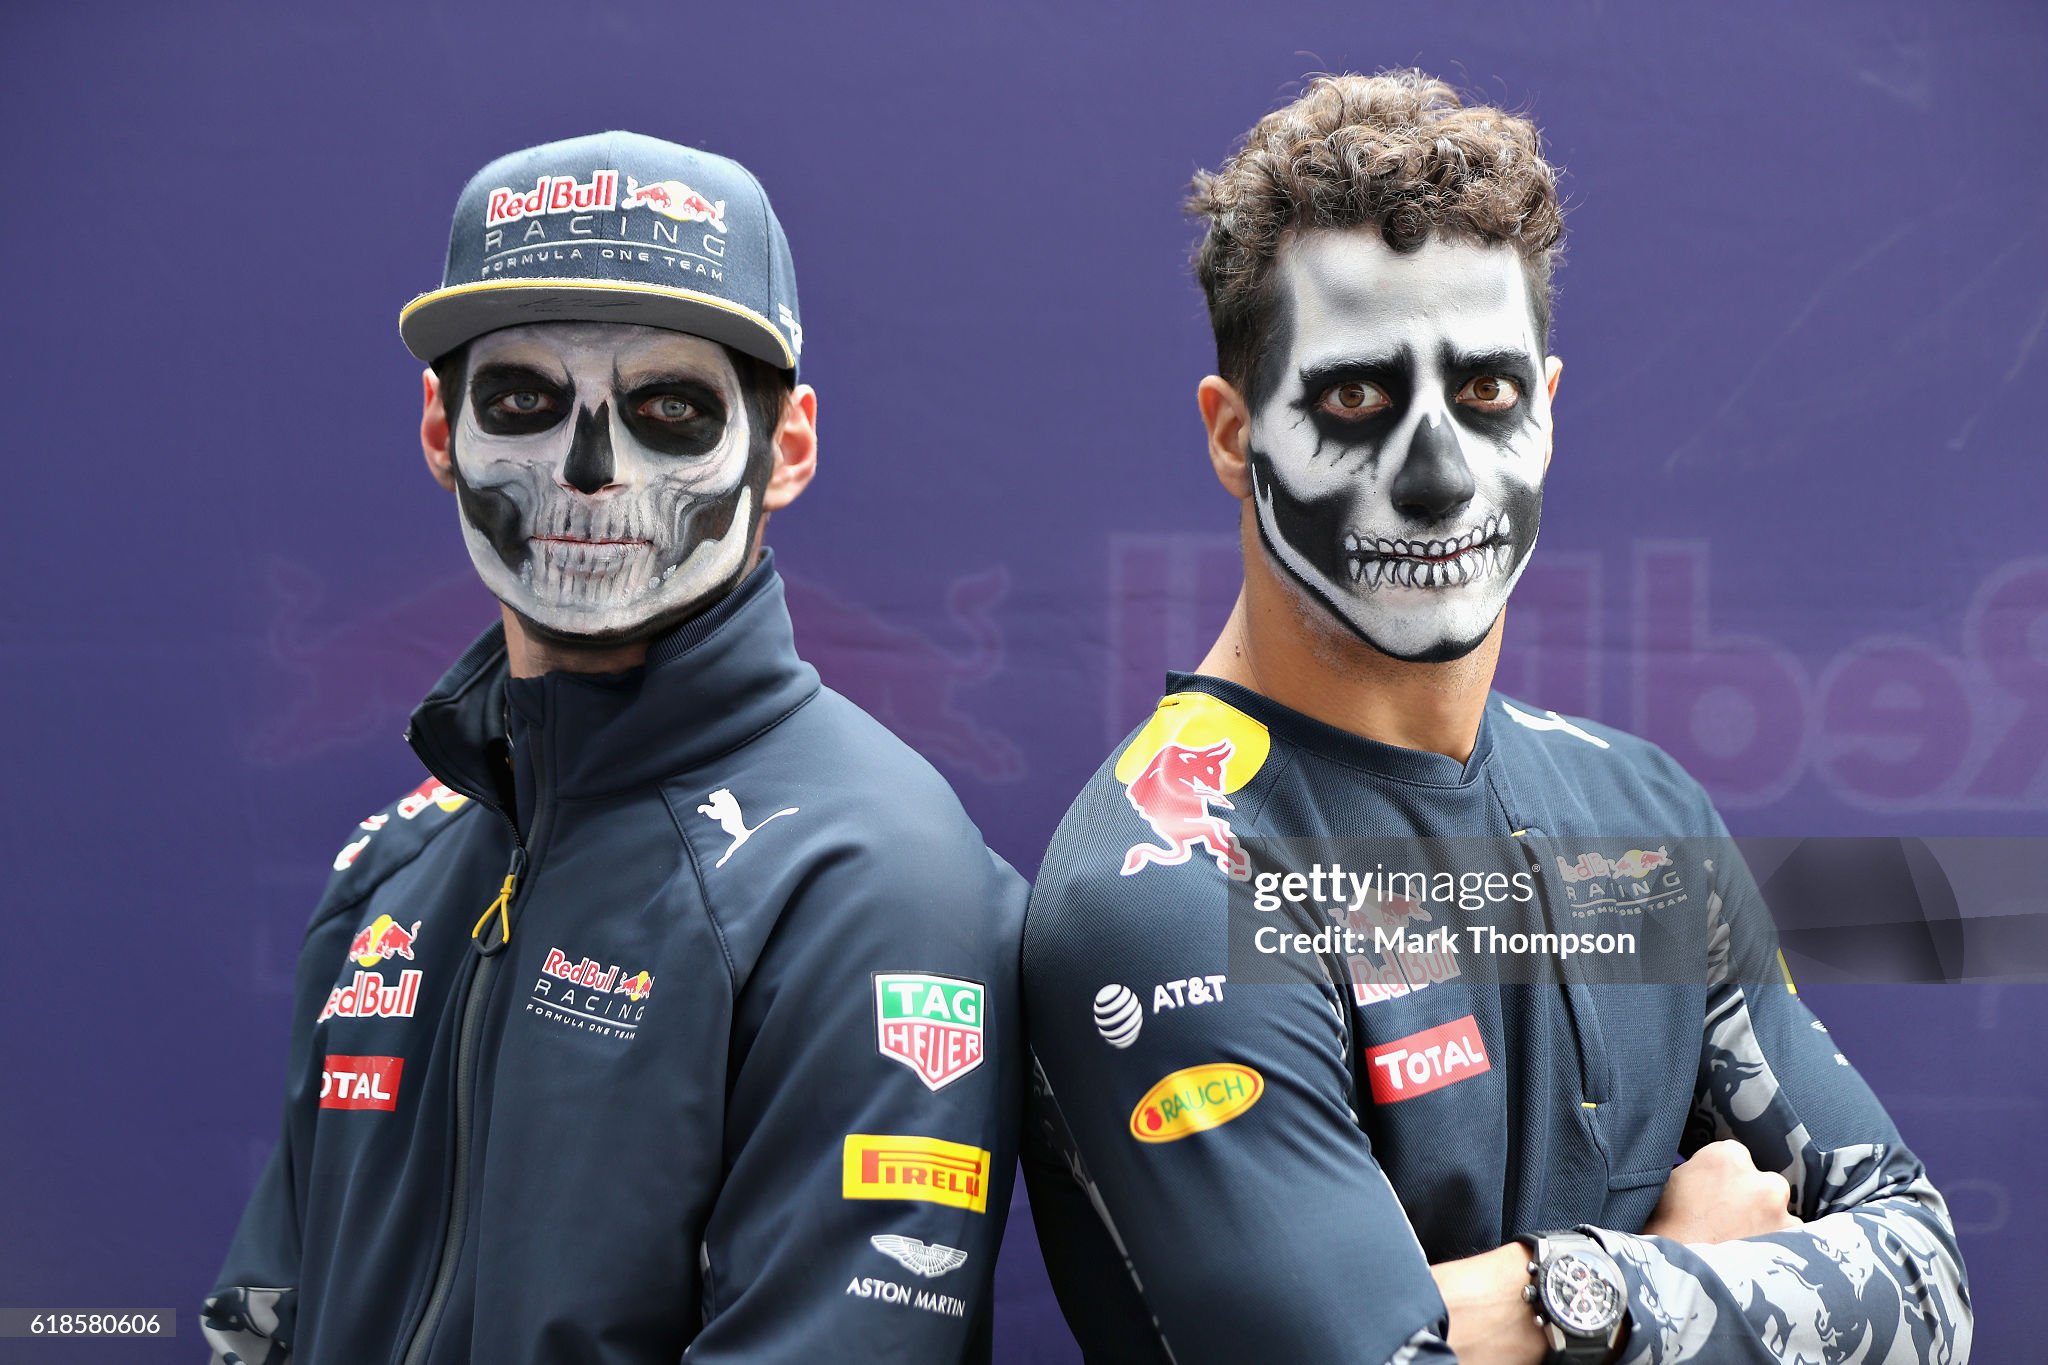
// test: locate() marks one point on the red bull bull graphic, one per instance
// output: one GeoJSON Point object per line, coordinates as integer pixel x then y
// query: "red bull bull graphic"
{"type": "Point", "coordinates": [636, 988]}
{"type": "Point", "coordinates": [674, 199]}
{"type": "Point", "coordinates": [553, 194]}
{"type": "Point", "coordinates": [1193, 752]}
{"type": "Point", "coordinates": [1378, 919]}
{"type": "Point", "coordinates": [382, 939]}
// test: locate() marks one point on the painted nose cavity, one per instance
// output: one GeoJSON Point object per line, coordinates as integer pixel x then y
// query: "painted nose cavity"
{"type": "Point", "coordinates": [590, 466]}
{"type": "Point", "coordinates": [1434, 481]}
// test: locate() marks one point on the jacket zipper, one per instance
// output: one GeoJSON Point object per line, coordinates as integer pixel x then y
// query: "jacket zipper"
{"type": "Point", "coordinates": [477, 994]}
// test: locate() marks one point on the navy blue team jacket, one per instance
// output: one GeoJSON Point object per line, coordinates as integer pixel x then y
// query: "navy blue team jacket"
{"type": "Point", "coordinates": [740, 1085]}
{"type": "Point", "coordinates": [1227, 1169]}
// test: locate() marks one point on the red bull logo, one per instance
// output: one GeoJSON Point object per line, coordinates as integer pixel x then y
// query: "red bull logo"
{"type": "Point", "coordinates": [674, 199]}
{"type": "Point", "coordinates": [382, 939]}
{"type": "Point", "coordinates": [370, 996]}
{"type": "Point", "coordinates": [1402, 971]}
{"type": "Point", "coordinates": [1192, 753]}
{"type": "Point", "coordinates": [1634, 865]}
{"type": "Point", "coordinates": [583, 993]}
{"type": "Point", "coordinates": [1174, 792]}
{"type": "Point", "coordinates": [553, 194]}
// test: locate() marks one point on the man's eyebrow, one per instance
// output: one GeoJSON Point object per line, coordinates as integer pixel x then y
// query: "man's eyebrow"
{"type": "Point", "coordinates": [1498, 360]}
{"type": "Point", "coordinates": [1337, 369]}
{"type": "Point", "coordinates": [639, 376]}
{"type": "Point", "coordinates": [514, 372]}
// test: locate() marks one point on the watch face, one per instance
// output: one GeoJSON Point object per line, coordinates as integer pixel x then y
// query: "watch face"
{"type": "Point", "coordinates": [1581, 1293]}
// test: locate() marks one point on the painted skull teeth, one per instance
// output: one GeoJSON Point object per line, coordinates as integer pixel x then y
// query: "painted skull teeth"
{"type": "Point", "coordinates": [1383, 562]}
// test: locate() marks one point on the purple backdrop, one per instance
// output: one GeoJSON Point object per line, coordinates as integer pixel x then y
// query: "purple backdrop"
{"type": "Point", "coordinates": [1794, 527]}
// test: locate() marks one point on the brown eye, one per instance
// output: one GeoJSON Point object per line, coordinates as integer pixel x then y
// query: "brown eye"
{"type": "Point", "coordinates": [1490, 393]}
{"type": "Point", "coordinates": [1353, 399]}
{"type": "Point", "coordinates": [668, 408]}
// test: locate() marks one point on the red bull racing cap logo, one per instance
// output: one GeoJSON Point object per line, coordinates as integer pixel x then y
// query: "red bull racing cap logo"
{"type": "Point", "coordinates": [614, 227]}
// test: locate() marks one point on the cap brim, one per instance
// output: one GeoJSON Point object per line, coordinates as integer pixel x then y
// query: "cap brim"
{"type": "Point", "coordinates": [434, 324]}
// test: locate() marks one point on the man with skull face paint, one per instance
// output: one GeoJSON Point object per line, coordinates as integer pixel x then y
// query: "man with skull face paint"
{"type": "Point", "coordinates": [1363, 1149]}
{"type": "Point", "coordinates": [635, 1033]}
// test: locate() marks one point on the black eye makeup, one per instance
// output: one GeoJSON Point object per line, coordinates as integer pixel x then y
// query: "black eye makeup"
{"type": "Point", "coordinates": [1352, 401]}
{"type": "Point", "coordinates": [676, 415]}
{"type": "Point", "coordinates": [517, 400]}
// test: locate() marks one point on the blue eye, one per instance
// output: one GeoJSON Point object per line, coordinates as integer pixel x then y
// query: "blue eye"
{"type": "Point", "coordinates": [668, 408]}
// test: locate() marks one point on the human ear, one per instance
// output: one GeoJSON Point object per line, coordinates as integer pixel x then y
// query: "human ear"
{"type": "Point", "coordinates": [435, 441]}
{"type": "Point", "coordinates": [1552, 368]}
{"type": "Point", "coordinates": [1228, 420]}
{"type": "Point", "coordinates": [796, 449]}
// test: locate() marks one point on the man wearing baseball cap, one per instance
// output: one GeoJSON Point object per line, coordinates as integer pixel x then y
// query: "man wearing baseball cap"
{"type": "Point", "coordinates": [634, 1032]}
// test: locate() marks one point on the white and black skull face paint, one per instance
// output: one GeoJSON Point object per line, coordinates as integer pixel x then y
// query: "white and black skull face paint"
{"type": "Point", "coordinates": [1399, 433]}
{"type": "Point", "coordinates": [606, 474]}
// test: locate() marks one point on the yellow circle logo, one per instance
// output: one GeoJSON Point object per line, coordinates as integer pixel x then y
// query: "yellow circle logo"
{"type": "Point", "coordinates": [1195, 1099]}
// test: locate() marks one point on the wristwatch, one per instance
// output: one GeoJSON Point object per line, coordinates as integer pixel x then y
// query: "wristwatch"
{"type": "Point", "coordinates": [1578, 1294]}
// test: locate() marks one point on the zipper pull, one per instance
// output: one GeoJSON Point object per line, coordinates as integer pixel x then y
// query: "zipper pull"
{"type": "Point", "coordinates": [501, 907]}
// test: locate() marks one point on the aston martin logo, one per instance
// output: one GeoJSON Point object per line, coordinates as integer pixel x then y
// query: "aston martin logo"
{"type": "Point", "coordinates": [926, 1258]}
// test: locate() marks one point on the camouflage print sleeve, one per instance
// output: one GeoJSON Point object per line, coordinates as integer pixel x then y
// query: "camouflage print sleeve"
{"type": "Point", "coordinates": [1875, 1274]}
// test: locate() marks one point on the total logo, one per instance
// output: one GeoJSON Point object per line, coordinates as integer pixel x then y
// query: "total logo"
{"type": "Point", "coordinates": [1427, 1061]}
{"type": "Point", "coordinates": [931, 1024]}
{"type": "Point", "coordinates": [591, 996]}
{"type": "Point", "coordinates": [1119, 1016]}
{"type": "Point", "coordinates": [360, 1082]}
{"type": "Point", "coordinates": [369, 995]}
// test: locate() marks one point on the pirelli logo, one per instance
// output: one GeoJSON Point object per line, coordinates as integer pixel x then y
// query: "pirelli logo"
{"type": "Point", "coordinates": [928, 1169]}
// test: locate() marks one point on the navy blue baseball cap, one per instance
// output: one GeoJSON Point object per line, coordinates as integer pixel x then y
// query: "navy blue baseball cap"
{"type": "Point", "coordinates": [614, 227]}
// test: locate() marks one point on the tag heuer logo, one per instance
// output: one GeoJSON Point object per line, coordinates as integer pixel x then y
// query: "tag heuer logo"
{"type": "Point", "coordinates": [931, 1024]}
{"type": "Point", "coordinates": [928, 1259]}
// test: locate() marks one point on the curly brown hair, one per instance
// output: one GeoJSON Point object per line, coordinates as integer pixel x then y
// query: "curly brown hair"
{"type": "Point", "coordinates": [1400, 151]}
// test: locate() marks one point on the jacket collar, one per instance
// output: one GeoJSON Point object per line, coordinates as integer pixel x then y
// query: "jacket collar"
{"type": "Point", "coordinates": [707, 687]}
